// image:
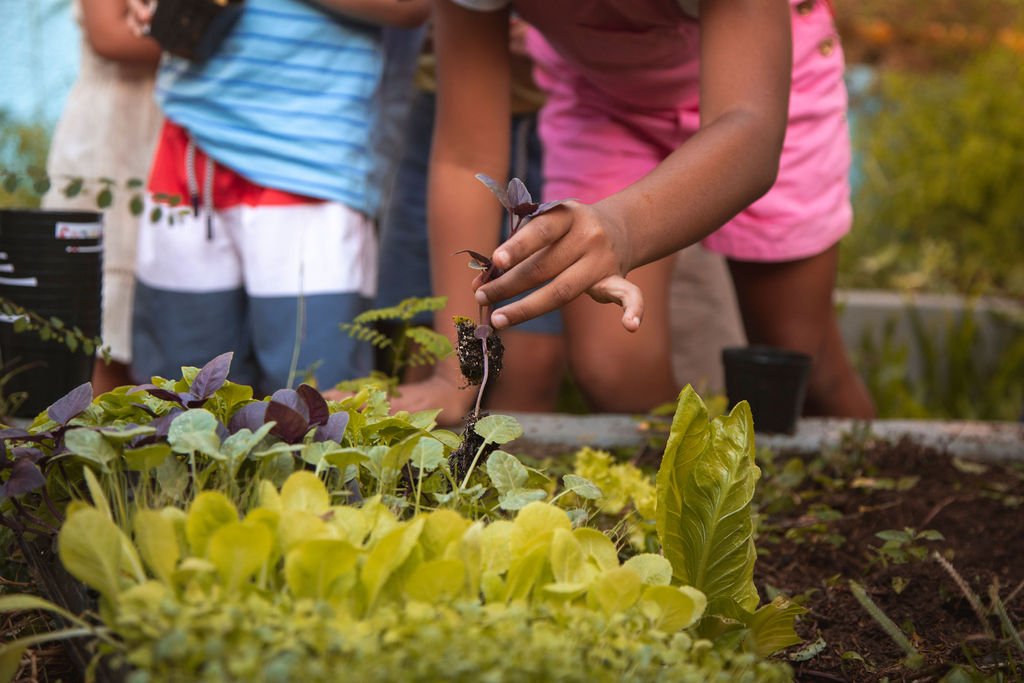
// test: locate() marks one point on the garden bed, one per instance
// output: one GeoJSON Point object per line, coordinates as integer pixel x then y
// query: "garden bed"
{"type": "Point", "coordinates": [820, 533]}
{"type": "Point", "coordinates": [825, 494]}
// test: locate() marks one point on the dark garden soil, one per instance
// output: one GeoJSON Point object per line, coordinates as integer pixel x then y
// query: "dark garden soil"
{"type": "Point", "coordinates": [819, 534]}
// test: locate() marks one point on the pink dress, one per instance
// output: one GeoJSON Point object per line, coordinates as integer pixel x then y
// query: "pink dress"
{"type": "Point", "coordinates": [622, 78]}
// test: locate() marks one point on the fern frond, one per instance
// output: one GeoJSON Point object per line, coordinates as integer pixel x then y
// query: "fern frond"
{"type": "Point", "coordinates": [430, 344]}
{"type": "Point", "coordinates": [367, 334]}
{"type": "Point", "coordinates": [404, 311]}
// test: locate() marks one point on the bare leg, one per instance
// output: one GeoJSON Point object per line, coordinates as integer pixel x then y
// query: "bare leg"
{"type": "Point", "coordinates": [618, 371]}
{"type": "Point", "coordinates": [789, 305]}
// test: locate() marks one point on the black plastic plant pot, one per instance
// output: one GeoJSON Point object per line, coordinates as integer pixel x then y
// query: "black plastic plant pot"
{"type": "Point", "coordinates": [773, 381]}
{"type": "Point", "coordinates": [193, 29]}
{"type": "Point", "coordinates": [50, 264]}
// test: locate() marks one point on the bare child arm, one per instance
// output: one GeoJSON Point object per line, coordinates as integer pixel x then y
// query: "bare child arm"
{"type": "Point", "coordinates": [729, 163]}
{"type": "Point", "coordinates": [471, 135]}
{"type": "Point", "coordinates": [105, 26]}
{"type": "Point", "coordinates": [406, 13]}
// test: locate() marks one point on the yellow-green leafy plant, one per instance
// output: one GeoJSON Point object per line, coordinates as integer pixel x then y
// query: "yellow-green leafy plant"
{"type": "Point", "coordinates": [295, 582]}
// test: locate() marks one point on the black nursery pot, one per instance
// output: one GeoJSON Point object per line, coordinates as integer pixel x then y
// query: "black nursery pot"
{"type": "Point", "coordinates": [193, 29]}
{"type": "Point", "coordinates": [51, 264]}
{"type": "Point", "coordinates": [773, 381]}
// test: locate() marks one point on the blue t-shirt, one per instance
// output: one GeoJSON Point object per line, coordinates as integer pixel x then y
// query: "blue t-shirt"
{"type": "Point", "coordinates": [288, 100]}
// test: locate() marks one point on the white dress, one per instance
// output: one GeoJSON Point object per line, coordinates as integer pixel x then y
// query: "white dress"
{"type": "Point", "coordinates": [107, 130]}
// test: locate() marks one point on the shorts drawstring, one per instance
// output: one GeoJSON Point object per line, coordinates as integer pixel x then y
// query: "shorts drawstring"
{"type": "Point", "coordinates": [193, 186]}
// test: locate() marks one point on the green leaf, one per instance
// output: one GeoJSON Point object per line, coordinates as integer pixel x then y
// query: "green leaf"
{"type": "Point", "coordinates": [24, 603]}
{"type": "Point", "coordinates": [172, 477]}
{"type": "Point", "coordinates": [90, 444]}
{"type": "Point", "coordinates": [584, 488]}
{"type": "Point", "coordinates": [442, 529]}
{"type": "Point", "coordinates": [568, 562]}
{"type": "Point", "coordinates": [653, 570]}
{"type": "Point", "coordinates": [195, 431]}
{"type": "Point", "coordinates": [313, 567]}
{"type": "Point", "coordinates": [598, 548]}
{"type": "Point", "coordinates": [524, 572]}
{"type": "Point", "coordinates": [517, 499]}
{"type": "Point", "coordinates": [304, 491]}
{"type": "Point", "coordinates": [705, 486]}
{"type": "Point", "coordinates": [436, 581]}
{"type": "Point", "coordinates": [239, 550]}
{"type": "Point", "coordinates": [425, 419]}
{"type": "Point", "coordinates": [499, 429]}
{"type": "Point", "coordinates": [534, 525]}
{"type": "Point", "coordinates": [239, 444]}
{"type": "Point", "coordinates": [772, 627]}
{"type": "Point", "coordinates": [387, 556]}
{"type": "Point", "coordinates": [616, 590]}
{"type": "Point", "coordinates": [157, 541]}
{"type": "Point", "coordinates": [146, 458]}
{"type": "Point", "coordinates": [10, 183]}
{"type": "Point", "coordinates": [344, 457]}
{"type": "Point", "coordinates": [95, 551]}
{"type": "Point", "coordinates": [99, 499]}
{"type": "Point", "coordinates": [41, 185]}
{"type": "Point", "coordinates": [121, 436]}
{"type": "Point", "coordinates": [10, 660]}
{"type": "Point", "coordinates": [672, 609]}
{"type": "Point", "coordinates": [210, 511]}
{"type": "Point", "coordinates": [506, 472]}
{"type": "Point", "coordinates": [427, 454]}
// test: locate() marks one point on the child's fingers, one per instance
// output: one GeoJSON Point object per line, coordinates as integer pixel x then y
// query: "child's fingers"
{"type": "Point", "coordinates": [540, 232]}
{"type": "Point", "coordinates": [617, 289]}
{"type": "Point", "coordinates": [533, 272]}
{"type": "Point", "coordinates": [566, 286]}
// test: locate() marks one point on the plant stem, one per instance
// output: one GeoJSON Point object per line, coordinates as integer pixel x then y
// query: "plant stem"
{"type": "Point", "coordinates": [419, 488]}
{"type": "Point", "coordinates": [483, 382]}
{"type": "Point", "coordinates": [472, 465]}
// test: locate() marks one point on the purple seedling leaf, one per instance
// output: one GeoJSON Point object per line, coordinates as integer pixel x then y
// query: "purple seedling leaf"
{"type": "Point", "coordinates": [547, 206]}
{"type": "Point", "coordinates": [157, 392]}
{"type": "Point", "coordinates": [71, 405]}
{"type": "Point", "coordinates": [519, 199]}
{"type": "Point", "coordinates": [251, 416]}
{"type": "Point", "coordinates": [25, 476]}
{"type": "Point", "coordinates": [13, 433]}
{"type": "Point", "coordinates": [483, 331]}
{"type": "Point", "coordinates": [190, 400]}
{"type": "Point", "coordinates": [479, 262]}
{"type": "Point", "coordinates": [291, 398]}
{"type": "Point", "coordinates": [27, 453]}
{"type": "Point", "coordinates": [291, 425]}
{"type": "Point", "coordinates": [494, 187]}
{"type": "Point", "coordinates": [334, 429]}
{"type": "Point", "coordinates": [212, 376]}
{"type": "Point", "coordinates": [315, 403]}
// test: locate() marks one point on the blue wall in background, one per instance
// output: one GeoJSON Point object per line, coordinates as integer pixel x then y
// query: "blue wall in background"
{"type": "Point", "coordinates": [40, 44]}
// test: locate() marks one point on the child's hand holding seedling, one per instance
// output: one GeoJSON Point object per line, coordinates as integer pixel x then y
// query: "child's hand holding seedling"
{"type": "Point", "coordinates": [564, 253]}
